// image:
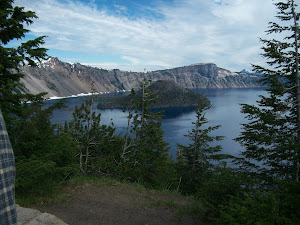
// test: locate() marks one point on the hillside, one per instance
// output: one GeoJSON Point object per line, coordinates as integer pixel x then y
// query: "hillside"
{"type": "Point", "coordinates": [169, 94]}
{"type": "Point", "coordinates": [64, 79]}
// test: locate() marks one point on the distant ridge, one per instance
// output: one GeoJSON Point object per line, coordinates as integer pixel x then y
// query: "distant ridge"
{"type": "Point", "coordinates": [247, 72]}
{"type": "Point", "coordinates": [200, 64]}
{"type": "Point", "coordinates": [65, 79]}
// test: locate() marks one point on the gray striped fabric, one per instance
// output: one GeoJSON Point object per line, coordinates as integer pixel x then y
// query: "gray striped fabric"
{"type": "Point", "coordinates": [8, 213]}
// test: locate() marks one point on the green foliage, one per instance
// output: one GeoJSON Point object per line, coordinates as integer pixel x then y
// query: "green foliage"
{"type": "Point", "coordinates": [195, 160]}
{"type": "Point", "coordinates": [44, 154]}
{"type": "Point", "coordinates": [85, 130]}
{"type": "Point", "coordinates": [272, 137]}
{"type": "Point", "coordinates": [96, 143]}
{"type": "Point", "coordinates": [171, 94]}
{"type": "Point", "coordinates": [35, 175]}
{"type": "Point", "coordinates": [218, 186]}
{"type": "Point", "coordinates": [257, 208]}
{"type": "Point", "coordinates": [168, 92]}
{"type": "Point", "coordinates": [144, 154]}
{"type": "Point", "coordinates": [12, 22]}
{"type": "Point", "coordinates": [289, 194]}
{"type": "Point", "coordinates": [151, 151]}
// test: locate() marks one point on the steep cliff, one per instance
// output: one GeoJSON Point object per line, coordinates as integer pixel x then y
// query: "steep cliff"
{"type": "Point", "coordinates": [64, 79]}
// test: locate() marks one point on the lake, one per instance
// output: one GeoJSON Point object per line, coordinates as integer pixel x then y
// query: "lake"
{"type": "Point", "coordinates": [225, 111]}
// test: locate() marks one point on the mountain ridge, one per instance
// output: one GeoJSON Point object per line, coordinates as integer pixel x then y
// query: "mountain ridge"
{"type": "Point", "coordinates": [65, 79]}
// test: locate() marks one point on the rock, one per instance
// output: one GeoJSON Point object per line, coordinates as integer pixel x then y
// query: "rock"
{"type": "Point", "coordinates": [46, 219]}
{"type": "Point", "coordinates": [27, 216]}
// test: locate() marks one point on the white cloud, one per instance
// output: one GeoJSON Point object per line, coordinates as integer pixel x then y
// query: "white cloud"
{"type": "Point", "coordinates": [190, 31]}
{"type": "Point", "coordinates": [131, 59]}
{"type": "Point", "coordinates": [128, 67]}
{"type": "Point", "coordinates": [120, 9]}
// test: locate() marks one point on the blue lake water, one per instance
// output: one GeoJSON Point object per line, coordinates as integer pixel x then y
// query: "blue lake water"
{"type": "Point", "coordinates": [225, 111]}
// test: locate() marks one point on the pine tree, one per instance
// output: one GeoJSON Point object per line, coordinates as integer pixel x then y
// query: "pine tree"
{"type": "Point", "coordinates": [85, 130]}
{"type": "Point", "coordinates": [12, 27]}
{"type": "Point", "coordinates": [150, 160]}
{"type": "Point", "coordinates": [195, 160]}
{"type": "Point", "coordinates": [96, 144]}
{"type": "Point", "coordinates": [44, 154]}
{"type": "Point", "coordinates": [272, 136]}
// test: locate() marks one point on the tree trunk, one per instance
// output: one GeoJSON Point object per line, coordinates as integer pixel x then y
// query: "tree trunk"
{"type": "Point", "coordinates": [143, 105]}
{"type": "Point", "coordinates": [297, 163]}
{"type": "Point", "coordinates": [125, 146]}
{"type": "Point", "coordinates": [80, 163]}
{"type": "Point", "coordinates": [195, 151]}
{"type": "Point", "coordinates": [88, 135]}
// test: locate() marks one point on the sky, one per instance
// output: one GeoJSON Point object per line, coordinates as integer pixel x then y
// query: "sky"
{"type": "Point", "coordinates": [138, 35]}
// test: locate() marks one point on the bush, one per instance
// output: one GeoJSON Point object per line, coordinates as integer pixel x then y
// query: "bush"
{"type": "Point", "coordinates": [257, 208]}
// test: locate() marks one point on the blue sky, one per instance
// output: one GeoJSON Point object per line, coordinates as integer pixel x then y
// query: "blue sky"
{"type": "Point", "coordinates": [154, 34]}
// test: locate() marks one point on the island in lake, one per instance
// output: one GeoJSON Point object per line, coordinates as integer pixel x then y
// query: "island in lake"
{"type": "Point", "coordinates": [169, 93]}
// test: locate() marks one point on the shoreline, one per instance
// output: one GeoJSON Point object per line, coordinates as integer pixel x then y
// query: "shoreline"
{"type": "Point", "coordinates": [83, 95]}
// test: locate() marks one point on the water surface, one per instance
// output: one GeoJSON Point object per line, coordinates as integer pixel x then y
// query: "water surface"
{"type": "Point", "coordinates": [225, 111]}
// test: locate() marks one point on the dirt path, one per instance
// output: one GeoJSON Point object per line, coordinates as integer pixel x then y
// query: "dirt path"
{"type": "Point", "coordinates": [115, 204]}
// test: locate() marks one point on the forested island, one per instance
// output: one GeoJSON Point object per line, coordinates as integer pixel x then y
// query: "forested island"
{"type": "Point", "coordinates": [169, 94]}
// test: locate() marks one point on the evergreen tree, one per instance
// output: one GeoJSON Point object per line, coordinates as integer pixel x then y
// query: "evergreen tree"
{"type": "Point", "coordinates": [272, 136]}
{"type": "Point", "coordinates": [195, 160]}
{"type": "Point", "coordinates": [44, 154]}
{"type": "Point", "coordinates": [96, 144]}
{"type": "Point", "coordinates": [85, 131]}
{"type": "Point", "coordinates": [12, 23]}
{"type": "Point", "coordinates": [149, 157]}
{"type": "Point", "coordinates": [272, 139]}
{"type": "Point", "coordinates": [40, 160]}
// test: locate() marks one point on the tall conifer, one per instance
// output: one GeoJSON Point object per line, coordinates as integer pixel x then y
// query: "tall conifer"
{"type": "Point", "coordinates": [151, 160]}
{"type": "Point", "coordinates": [272, 136]}
{"type": "Point", "coordinates": [196, 159]}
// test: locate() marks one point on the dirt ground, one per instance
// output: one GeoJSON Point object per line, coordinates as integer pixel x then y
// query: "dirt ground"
{"type": "Point", "coordinates": [115, 204]}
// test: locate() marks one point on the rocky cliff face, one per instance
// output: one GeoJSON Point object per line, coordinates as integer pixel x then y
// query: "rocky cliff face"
{"type": "Point", "coordinates": [65, 79]}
